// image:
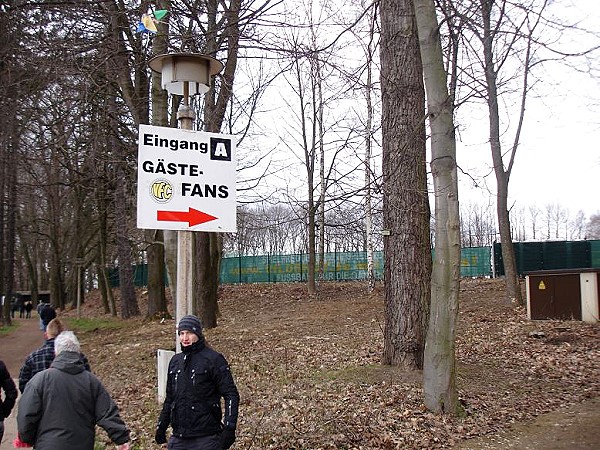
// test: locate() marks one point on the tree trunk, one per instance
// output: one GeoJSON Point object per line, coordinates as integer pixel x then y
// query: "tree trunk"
{"type": "Point", "coordinates": [103, 286]}
{"type": "Point", "coordinates": [11, 218]}
{"type": "Point", "coordinates": [31, 272]}
{"type": "Point", "coordinates": [322, 179]}
{"type": "Point", "coordinates": [513, 290]}
{"type": "Point", "coordinates": [157, 300]}
{"type": "Point", "coordinates": [56, 277]}
{"type": "Point", "coordinates": [6, 319]}
{"type": "Point", "coordinates": [207, 246]}
{"type": "Point", "coordinates": [311, 269]}
{"type": "Point", "coordinates": [439, 374]}
{"type": "Point", "coordinates": [129, 304]}
{"type": "Point", "coordinates": [367, 162]}
{"type": "Point", "coordinates": [405, 198]}
{"type": "Point", "coordinates": [170, 242]}
{"type": "Point", "coordinates": [108, 300]}
{"type": "Point", "coordinates": [206, 283]}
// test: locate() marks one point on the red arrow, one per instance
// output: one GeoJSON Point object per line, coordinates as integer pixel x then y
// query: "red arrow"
{"type": "Point", "coordinates": [192, 216]}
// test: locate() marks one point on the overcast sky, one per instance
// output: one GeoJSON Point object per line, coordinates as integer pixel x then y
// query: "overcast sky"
{"type": "Point", "coordinates": [558, 160]}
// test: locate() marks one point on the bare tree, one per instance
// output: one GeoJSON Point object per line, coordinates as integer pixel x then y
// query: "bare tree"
{"type": "Point", "coordinates": [503, 41]}
{"type": "Point", "coordinates": [577, 226]}
{"type": "Point", "coordinates": [315, 138]}
{"type": "Point", "coordinates": [157, 259]}
{"type": "Point", "coordinates": [405, 197]}
{"type": "Point", "coordinates": [593, 227]}
{"type": "Point", "coordinates": [369, 48]}
{"type": "Point", "coordinates": [309, 142]}
{"type": "Point", "coordinates": [477, 225]}
{"type": "Point", "coordinates": [556, 218]}
{"type": "Point", "coordinates": [208, 246]}
{"type": "Point", "coordinates": [492, 64]}
{"type": "Point", "coordinates": [439, 370]}
{"type": "Point", "coordinates": [534, 213]}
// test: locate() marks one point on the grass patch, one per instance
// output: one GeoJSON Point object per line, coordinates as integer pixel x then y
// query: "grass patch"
{"type": "Point", "coordinates": [95, 324]}
{"type": "Point", "coordinates": [6, 329]}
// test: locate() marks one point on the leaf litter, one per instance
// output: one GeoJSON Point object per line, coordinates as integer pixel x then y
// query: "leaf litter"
{"type": "Point", "coordinates": [309, 373]}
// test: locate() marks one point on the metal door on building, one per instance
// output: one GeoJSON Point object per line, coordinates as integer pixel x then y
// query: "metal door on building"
{"type": "Point", "coordinates": [555, 296]}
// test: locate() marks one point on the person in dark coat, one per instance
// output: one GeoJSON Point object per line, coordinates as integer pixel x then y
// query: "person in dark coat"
{"type": "Point", "coordinates": [41, 358]}
{"type": "Point", "coordinates": [47, 313]}
{"type": "Point", "coordinates": [7, 385]}
{"type": "Point", "coordinates": [61, 406]}
{"type": "Point", "coordinates": [28, 308]}
{"type": "Point", "coordinates": [198, 378]}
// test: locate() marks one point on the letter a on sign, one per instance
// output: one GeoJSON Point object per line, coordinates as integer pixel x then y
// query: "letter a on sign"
{"type": "Point", "coordinates": [220, 149]}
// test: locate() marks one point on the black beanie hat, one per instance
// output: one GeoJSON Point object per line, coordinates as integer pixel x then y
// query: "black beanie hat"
{"type": "Point", "coordinates": [190, 323]}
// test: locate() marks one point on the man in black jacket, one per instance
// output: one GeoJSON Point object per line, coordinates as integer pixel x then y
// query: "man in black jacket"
{"type": "Point", "coordinates": [198, 379]}
{"type": "Point", "coordinates": [10, 396]}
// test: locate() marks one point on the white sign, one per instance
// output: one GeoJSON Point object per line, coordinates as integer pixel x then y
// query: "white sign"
{"type": "Point", "coordinates": [186, 180]}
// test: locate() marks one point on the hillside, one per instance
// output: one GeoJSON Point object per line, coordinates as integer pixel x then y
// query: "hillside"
{"type": "Point", "coordinates": [309, 375]}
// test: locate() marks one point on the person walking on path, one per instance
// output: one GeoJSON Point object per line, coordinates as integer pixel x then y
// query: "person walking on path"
{"type": "Point", "coordinates": [28, 308]}
{"type": "Point", "coordinates": [62, 405]}
{"type": "Point", "coordinates": [47, 313]}
{"type": "Point", "coordinates": [24, 338]}
{"type": "Point", "coordinates": [41, 358]}
{"type": "Point", "coordinates": [8, 388]}
{"type": "Point", "coordinates": [197, 380]}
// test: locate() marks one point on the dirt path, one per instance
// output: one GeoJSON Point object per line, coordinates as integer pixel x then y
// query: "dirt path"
{"type": "Point", "coordinates": [574, 428]}
{"type": "Point", "coordinates": [14, 348]}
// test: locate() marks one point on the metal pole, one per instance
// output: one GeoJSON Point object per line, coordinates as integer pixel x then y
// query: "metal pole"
{"type": "Point", "coordinates": [184, 297]}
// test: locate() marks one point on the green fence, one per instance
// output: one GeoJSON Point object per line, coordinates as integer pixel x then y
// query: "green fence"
{"type": "Point", "coordinates": [551, 255]}
{"type": "Point", "coordinates": [595, 254]}
{"type": "Point", "coordinates": [289, 268]}
{"type": "Point", "coordinates": [475, 262]}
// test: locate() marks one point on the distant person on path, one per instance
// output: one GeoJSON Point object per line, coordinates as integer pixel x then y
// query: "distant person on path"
{"type": "Point", "coordinates": [16, 304]}
{"type": "Point", "coordinates": [41, 305]}
{"type": "Point", "coordinates": [47, 313]}
{"type": "Point", "coordinates": [9, 391]}
{"type": "Point", "coordinates": [198, 378]}
{"type": "Point", "coordinates": [62, 405]}
{"type": "Point", "coordinates": [28, 308]}
{"type": "Point", "coordinates": [41, 358]}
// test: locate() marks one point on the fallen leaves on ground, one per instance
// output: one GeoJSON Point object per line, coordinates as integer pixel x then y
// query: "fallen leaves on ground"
{"type": "Point", "coordinates": [309, 374]}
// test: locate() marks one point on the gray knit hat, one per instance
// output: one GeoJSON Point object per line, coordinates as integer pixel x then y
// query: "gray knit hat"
{"type": "Point", "coordinates": [190, 323]}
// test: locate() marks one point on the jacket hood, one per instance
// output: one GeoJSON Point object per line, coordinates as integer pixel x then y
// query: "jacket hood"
{"type": "Point", "coordinates": [69, 362]}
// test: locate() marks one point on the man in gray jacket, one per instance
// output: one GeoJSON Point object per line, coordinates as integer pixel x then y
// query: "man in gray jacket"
{"type": "Point", "coordinates": [62, 405]}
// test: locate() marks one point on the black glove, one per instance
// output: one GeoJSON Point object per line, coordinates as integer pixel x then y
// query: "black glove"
{"type": "Point", "coordinates": [227, 438]}
{"type": "Point", "coordinates": [161, 436]}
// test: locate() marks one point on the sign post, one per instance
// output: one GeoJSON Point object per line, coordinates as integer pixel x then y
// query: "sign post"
{"type": "Point", "coordinates": [186, 179]}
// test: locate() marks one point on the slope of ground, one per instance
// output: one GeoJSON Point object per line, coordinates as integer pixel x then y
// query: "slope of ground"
{"type": "Point", "coordinates": [309, 374]}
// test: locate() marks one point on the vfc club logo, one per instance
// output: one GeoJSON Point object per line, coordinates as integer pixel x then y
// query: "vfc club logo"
{"type": "Point", "coordinates": [161, 191]}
